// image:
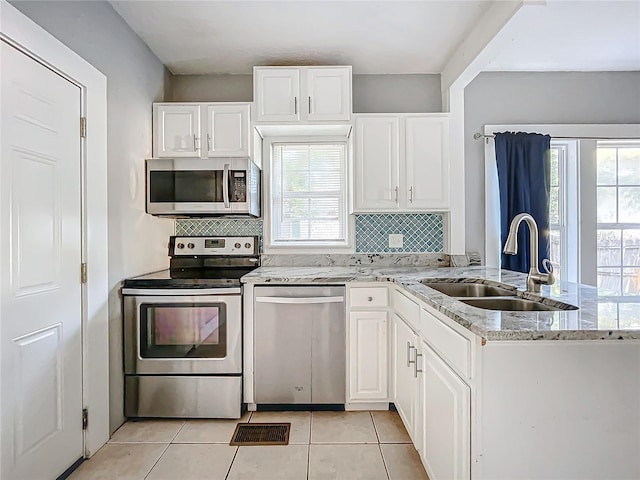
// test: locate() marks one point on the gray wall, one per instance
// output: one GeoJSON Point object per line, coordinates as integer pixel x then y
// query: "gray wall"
{"type": "Point", "coordinates": [371, 93]}
{"type": "Point", "coordinates": [212, 88]}
{"type": "Point", "coordinates": [135, 79]}
{"type": "Point", "coordinates": [537, 98]}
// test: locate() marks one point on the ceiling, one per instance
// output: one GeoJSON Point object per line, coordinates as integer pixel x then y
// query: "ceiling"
{"type": "Point", "coordinates": [381, 37]}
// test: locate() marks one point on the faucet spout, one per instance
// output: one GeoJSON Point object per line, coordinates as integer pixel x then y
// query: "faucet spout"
{"type": "Point", "coordinates": [535, 278]}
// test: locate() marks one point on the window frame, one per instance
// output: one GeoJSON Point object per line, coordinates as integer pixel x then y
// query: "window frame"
{"type": "Point", "coordinates": [324, 247]}
{"type": "Point", "coordinates": [617, 225]}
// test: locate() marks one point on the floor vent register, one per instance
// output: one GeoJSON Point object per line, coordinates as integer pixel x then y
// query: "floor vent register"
{"type": "Point", "coordinates": [255, 434]}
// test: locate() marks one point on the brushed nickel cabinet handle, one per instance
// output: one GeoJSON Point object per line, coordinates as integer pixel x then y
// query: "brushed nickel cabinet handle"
{"type": "Point", "coordinates": [416, 370]}
{"type": "Point", "coordinates": [295, 105]}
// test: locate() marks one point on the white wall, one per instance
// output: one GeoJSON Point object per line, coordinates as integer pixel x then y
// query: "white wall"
{"type": "Point", "coordinates": [371, 93]}
{"type": "Point", "coordinates": [135, 78]}
{"type": "Point", "coordinates": [537, 98]}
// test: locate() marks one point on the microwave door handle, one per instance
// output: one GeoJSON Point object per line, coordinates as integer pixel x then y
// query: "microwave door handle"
{"type": "Point", "coordinates": [225, 186]}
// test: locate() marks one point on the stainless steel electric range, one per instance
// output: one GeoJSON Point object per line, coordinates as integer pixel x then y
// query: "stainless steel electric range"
{"type": "Point", "coordinates": [182, 331]}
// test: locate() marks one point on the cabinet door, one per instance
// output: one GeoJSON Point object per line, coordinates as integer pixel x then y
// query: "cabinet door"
{"type": "Point", "coordinates": [368, 356]}
{"type": "Point", "coordinates": [376, 164]}
{"type": "Point", "coordinates": [176, 130]}
{"type": "Point", "coordinates": [277, 94]}
{"type": "Point", "coordinates": [406, 391]}
{"type": "Point", "coordinates": [328, 94]}
{"type": "Point", "coordinates": [227, 130]}
{"type": "Point", "coordinates": [446, 414]}
{"type": "Point", "coordinates": [427, 163]}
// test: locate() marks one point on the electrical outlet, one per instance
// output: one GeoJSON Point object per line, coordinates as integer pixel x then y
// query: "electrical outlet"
{"type": "Point", "coordinates": [395, 240]}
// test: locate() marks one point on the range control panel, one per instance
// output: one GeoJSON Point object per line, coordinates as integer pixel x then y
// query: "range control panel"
{"type": "Point", "coordinates": [192, 246]}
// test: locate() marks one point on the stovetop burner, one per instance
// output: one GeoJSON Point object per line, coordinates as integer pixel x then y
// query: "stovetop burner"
{"type": "Point", "coordinates": [203, 262]}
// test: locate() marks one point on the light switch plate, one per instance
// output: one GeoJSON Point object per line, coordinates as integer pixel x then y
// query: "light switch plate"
{"type": "Point", "coordinates": [396, 240]}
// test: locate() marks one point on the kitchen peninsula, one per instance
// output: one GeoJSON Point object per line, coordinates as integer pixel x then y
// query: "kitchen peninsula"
{"type": "Point", "coordinates": [486, 394]}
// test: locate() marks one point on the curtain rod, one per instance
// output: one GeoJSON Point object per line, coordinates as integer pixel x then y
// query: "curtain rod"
{"type": "Point", "coordinates": [478, 135]}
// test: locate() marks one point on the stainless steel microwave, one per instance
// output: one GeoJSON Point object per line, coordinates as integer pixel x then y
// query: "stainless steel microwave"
{"type": "Point", "coordinates": [198, 187]}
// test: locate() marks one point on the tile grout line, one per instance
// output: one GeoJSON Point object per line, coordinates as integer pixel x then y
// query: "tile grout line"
{"type": "Point", "coordinates": [165, 450]}
{"type": "Point", "coordinates": [237, 448]}
{"type": "Point", "coordinates": [231, 464]}
{"type": "Point", "coordinates": [178, 432]}
{"type": "Point", "coordinates": [156, 462]}
{"type": "Point", "coordinates": [309, 446]}
{"type": "Point", "coordinates": [375, 429]}
{"type": "Point", "coordinates": [384, 462]}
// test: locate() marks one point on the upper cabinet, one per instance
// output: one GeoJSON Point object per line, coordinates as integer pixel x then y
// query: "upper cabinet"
{"type": "Point", "coordinates": [201, 130]}
{"type": "Point", "coordinates": [401, 163]}
{"type": "Point", "coordinates": [302, 94]}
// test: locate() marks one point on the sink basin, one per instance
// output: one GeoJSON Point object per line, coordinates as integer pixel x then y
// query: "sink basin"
{"type": "Point", "coordinates": [469, 289]}
{"type": "Point", "coordinates": [514, 304]}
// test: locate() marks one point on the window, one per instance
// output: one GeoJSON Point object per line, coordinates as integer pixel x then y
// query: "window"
{"type": "Point", "coordinates": [618, 218]}
{"type": "Point", "coordinates": [307, 201]}
{"type": "Point", "coordinates": [557, 209]}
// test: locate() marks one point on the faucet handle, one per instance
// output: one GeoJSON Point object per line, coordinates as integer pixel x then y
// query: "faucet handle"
{"type": "Point", "coordinates": [548, 267]}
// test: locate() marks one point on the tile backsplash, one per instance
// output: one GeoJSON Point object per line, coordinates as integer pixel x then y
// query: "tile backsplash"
{"type": "Point", "coordinates": [422, 232]}
{"type": "Point", "coordinates": [219, 226]}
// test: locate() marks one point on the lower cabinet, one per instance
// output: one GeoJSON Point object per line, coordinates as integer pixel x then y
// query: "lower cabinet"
{"type": "Point", "coordinates": [368, 356]}
{"type": "Point", "coordinates": [406, 374]}
{"type": "Point", "coordinates": [446, 419]}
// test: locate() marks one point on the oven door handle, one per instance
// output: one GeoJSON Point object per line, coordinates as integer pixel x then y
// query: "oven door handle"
{"type": "Point", "coordinates": [225, 185]}
{"type": "Point", "coordinates": [299, 300]}
{"type": "Point", "coordinates": [180, 292]}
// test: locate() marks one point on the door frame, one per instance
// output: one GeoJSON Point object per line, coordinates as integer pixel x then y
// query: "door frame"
{"type": "Point", "coordinates": [22, 33]}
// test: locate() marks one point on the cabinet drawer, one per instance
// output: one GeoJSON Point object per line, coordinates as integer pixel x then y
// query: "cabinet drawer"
{"type": "Point", "coordinates": [369, 297]}
{"type": "Point", "coordinates": [407, 309]}
{"type": "Point", "coordinates": [452, 346]}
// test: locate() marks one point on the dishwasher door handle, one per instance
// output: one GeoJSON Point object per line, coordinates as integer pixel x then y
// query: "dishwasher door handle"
{"type": "Point", "coordinates": [299, 300]}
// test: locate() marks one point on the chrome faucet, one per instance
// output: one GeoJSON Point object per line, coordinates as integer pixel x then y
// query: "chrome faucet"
{"type": "Point", "coordinates": [535, 278]}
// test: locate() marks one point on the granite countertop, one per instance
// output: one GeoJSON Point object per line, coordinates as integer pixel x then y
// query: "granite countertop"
{"type": "Point", "coordinates": [598, 318]}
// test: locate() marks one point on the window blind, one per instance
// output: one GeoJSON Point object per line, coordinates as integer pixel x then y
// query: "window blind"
{"type": "Point", "coordinates": [308, 193]}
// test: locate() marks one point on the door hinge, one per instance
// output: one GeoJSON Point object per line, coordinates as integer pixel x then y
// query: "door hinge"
{"type": "Point", "coordinates": [83, 127]}
{"type": "Point", "coordinates": [83, 273]}
{"type": "Point", "coordinates": [85, 418]}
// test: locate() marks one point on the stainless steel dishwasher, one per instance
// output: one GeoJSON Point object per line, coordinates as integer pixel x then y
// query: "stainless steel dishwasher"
{"type": "Point", "coordinates": [299, 344]}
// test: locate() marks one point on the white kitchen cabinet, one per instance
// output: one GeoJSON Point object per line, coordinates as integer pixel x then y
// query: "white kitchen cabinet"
{"type": "Point", "coordinates": [376, 163]}
{"type": "Point", "coordinates": [176, 130]}
{"type": "Point", "coordinates": [302, 94]}
{"type": "Point", "coordinates": [445, 403]}
{"type": "Point", "coordinates": [401, 163]}
{"type": "Point", "coordinates": [368, 340]}
{"type": "Point", "coordinates": [426, 182]}
{"type": "Point", "coordinates": [406, 374]}
{"type": "Point", "coordinates": [227, 132]}
{"type": "Point", "coordinates": [201, 129]}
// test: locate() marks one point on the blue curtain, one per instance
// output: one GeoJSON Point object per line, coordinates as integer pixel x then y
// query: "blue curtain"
{"type": "Point", "coordinates": [523, 178]}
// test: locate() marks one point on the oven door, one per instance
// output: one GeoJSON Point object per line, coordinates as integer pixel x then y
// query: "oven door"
{"type": "Point", "coordinates": [192, 334]}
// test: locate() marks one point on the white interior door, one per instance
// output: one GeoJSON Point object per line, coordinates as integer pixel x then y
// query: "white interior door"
{"type": "Point", "coordinates": [40, 254]}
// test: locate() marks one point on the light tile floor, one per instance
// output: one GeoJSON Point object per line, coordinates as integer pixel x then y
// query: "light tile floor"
{"type": "Point", "coordinates": [322, 446]}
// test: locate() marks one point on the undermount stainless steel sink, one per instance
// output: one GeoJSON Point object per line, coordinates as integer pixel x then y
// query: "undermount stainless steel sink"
{"type": "Point", "coordinates": [469, 289]}
{"type": "Point", "coordinates": [492, 297]}
{"type": "Point", "coordinates": [514, 304]}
